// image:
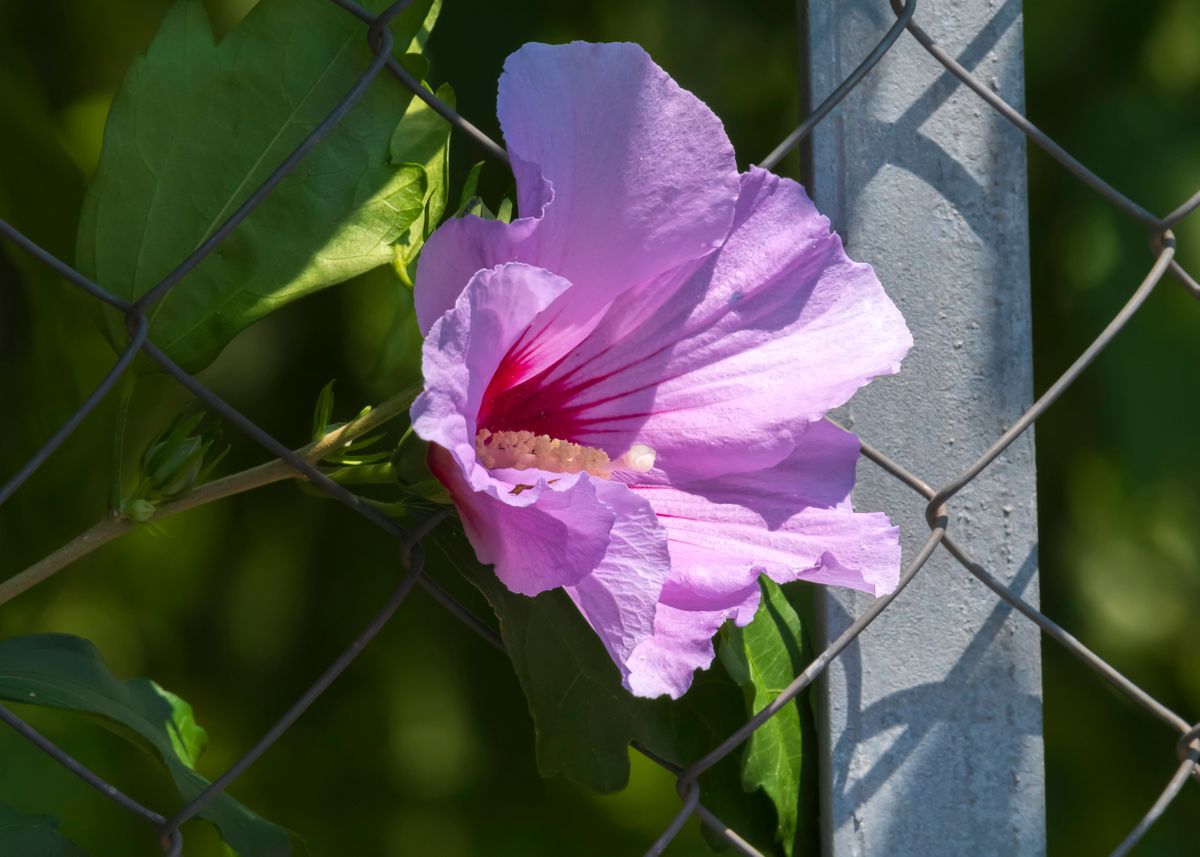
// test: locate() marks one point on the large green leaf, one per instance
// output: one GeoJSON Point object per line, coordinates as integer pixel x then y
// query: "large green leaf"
{"type": "Point", "coordinates": [764, 657]}
{"type": "Point", "coordinates": [65, 672]}
{"type": "Point", "coordinates": [197, 126]}
{"type": "Point", "coordinates": [33, 835]}
{"type": "Point", "coordinates": [585, 720]}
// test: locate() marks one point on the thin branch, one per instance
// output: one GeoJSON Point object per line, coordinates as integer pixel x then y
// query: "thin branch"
{"type": "Point", "coordinates": [247, 480]}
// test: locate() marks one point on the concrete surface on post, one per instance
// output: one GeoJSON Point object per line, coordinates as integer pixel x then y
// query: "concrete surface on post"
{"type": "Point", "coordinates": [933, 727]}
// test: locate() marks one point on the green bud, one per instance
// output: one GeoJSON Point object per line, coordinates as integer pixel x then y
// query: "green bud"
{"type": "Point", "coordinates": [323, 412]}
{"type": "Point", "coordinates": [167, 462]}
{"type": "Point", "coordinates": [410, 461]}
{"type": "Point", "coordinates": [140, 511]}
{"type": "Point", "coordinates": [410, 464]}
{"type": "Point", "coordinates": [184, 476]}
{"type": "Point", "coordinates": [176, 459]}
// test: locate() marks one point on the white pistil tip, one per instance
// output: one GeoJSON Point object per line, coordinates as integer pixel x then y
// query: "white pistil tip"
{"type": "Point", "coordinates": [639, 459]}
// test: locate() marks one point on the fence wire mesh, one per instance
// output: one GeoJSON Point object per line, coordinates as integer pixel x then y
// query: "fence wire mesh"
{"type": "Point", "coordinates": [408, 542]}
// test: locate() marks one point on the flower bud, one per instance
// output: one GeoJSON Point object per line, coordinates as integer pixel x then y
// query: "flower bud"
{"type": "Point", "coordinates": [174, 462]}
{"type": "Point", "coordinates": [140, 511]}
{"type": "Point", "coordinates": [166, 463]}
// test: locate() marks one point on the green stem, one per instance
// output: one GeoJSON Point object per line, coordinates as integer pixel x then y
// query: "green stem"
{"type": "Point", "coordinates": [264, 474]}
{"type": "Point", "coordinates": [364, 474]}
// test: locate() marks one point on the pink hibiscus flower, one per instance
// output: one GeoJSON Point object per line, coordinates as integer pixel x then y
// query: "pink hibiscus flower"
{"type": "Point", "coordinates": [625, 389]}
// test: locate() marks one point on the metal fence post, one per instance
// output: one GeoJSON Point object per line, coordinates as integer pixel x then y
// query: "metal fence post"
{"type": "Point", "coordinates": [934, 717]}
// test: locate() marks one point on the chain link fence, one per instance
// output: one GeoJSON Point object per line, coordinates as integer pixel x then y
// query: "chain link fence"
{"type": "Point", "coordinates": [408, 542]}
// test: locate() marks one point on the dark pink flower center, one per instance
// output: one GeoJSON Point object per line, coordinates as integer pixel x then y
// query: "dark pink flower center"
{"type": "Point", "coordinates": [532, 424]}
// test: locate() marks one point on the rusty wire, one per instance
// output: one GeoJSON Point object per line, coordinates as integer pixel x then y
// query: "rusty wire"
{"type": "Point", "coordinates": [410, 552]}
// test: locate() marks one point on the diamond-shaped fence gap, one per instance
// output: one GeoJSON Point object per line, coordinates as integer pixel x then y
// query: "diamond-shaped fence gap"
{"type": "Point", "coordinates": [89, 404]}
{"type": "Point", "coordinates": [413, 561]}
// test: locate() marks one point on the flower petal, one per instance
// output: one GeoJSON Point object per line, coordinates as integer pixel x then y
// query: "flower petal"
{"type": "Point", "coordinates": [465, 347]}
{"type": "Point", "coordinates": [819, 471]}
{"type": "Point", "coordinates": [620, 597]}
{"type": "Point", "coordinates": [556, 541]}
{"type": "Point", "coordinates": [621, 176]}
{"type": "Point", "coordinates": [721, 373]}
{"type": "Point", "coordinates": [463, 246]}
{"type": "Point", "coordinates": [643, 174]}
{"type": "Point", "coordinates": [740, 522]}
{"type": "Point", "coordinates": [791, 521]}
{"type": "Point", "coordinates": [696, 600]}
{"type": "Point", "coordinates": [549, 533]}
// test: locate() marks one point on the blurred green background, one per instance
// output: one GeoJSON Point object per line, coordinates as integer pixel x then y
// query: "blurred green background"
{"type": "Point", "coordinates": [425, 746]}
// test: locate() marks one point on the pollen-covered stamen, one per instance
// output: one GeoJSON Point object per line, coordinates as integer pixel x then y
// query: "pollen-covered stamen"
{"type": "Point", "coordinates": [524, 450]}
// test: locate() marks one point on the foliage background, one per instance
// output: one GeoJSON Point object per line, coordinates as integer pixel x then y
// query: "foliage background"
{"type": "Point", "coordinates": [425, 746]}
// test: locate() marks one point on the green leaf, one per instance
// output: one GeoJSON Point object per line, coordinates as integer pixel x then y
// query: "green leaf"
{"type": "Point", "coordinates": [764, 658]}
{"type": "Point", "coordinates": [504, 212]}
{"type": "Point", "coordinates": [323, 412]}
{"type": "Point", "coordinates": [470, 191]}
{"type": "Point", "coordinates": [471, 203]}
{"type": "Point", "coordinates": [584, 720]}
{"type": "Point", "coordinates": [197, 126]}
{"type": "Point", "coordinates": [421, 38]}
{"type": "Point", "coordinates": [33, 835]}
{"type": "Point", "coordinates": [423, 140]}
{"type": "Point", "coordinates": [65, 672]}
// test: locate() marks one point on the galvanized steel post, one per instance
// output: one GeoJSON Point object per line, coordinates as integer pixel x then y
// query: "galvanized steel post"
{"type": "Point", "coordinates": [933, 729]}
